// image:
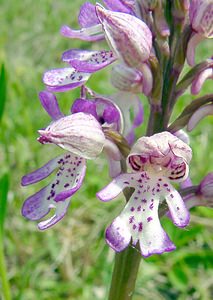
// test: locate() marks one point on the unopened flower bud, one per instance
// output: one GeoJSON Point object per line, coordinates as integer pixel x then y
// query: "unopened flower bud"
{"type": "Point", "coordinates": [206, 187]}
{"type": "Point", "coordinates": [201, 17]}
{"type": "Point", "coordinates": [126, 79]}
{"type": "Point", "coordinates": [129, 37]}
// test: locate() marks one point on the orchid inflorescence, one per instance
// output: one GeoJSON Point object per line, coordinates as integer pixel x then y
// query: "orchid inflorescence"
{"type": "Point", "coordinates": [148, 43]}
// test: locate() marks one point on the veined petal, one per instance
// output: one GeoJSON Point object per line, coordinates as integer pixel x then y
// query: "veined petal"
{"type": "Point", "coordinates": [129, 37]}
{"type": "Point", "coordinates": [61, 80]}
{"type": "Point", "coordinates": [55, 196]}
{"type": "Point", "coordinates": [126, 79]}
{"type": "Point", "coordinates": [87, 16]}
{"type": "Point", "coordinates": [50, 104]}
{"type": "Point", "coordinates": [87, 60]}
{"type": "Point", "coordinates": [198, 115]}
{"type": "Point", "coordinates": [201, 17]}
{"type": "Point", "coordinates": [91, 34]}
{"type": "Point", "coordinates": [164, 153]}
{"type": "Point", "coordinates": [79, 133]}
{"type": "Point", "coordinates": [147, 79]}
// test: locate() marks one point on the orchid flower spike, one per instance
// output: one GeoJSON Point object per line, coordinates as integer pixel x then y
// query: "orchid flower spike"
{"type": "Point", "coordinates": [201, 19]}
{"type": "Point", "coordinates": [154, 162]}
{"type": "Point", "coordinates": [82, 135]}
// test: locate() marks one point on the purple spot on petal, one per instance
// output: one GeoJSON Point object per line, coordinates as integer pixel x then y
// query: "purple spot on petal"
{"type": "Point", "coordinates": [140, 226]}
{"type": "Point", "coordinates": [131, 219]}
{"type": "Point", "coordinates": [149, 219]}
{"type": "Point", "coordinates": [134, 226]}
{"type": "Point", "coordinates": [139, 208]}
{"type": "Point", "coordinates": [151, 206]}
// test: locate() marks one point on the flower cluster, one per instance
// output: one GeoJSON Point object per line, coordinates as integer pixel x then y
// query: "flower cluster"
{"type": "Point", "coordinates": [146, 59]}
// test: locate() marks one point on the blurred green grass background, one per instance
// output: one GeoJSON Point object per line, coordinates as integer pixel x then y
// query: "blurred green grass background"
{"type": "Point", "coordinates": [71, 260]}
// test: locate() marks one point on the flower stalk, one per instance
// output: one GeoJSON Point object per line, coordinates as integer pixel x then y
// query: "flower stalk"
{"type": "Point", "coordinates": [125, 274]}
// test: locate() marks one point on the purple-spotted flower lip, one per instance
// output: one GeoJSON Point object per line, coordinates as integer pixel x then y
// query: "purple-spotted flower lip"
{"type": "Point", "coordinates": [163, 153]}
{"type": "Point", "coordinates": [165, 158]}
{"type": "Point", "coordinates": [56, 195]}
{"type": "Point", "coordinates": [139, 220]}
{"type": "Point", "coordinates": [64, 79]}
{"type": "Point", "coordinates": [88, 61]}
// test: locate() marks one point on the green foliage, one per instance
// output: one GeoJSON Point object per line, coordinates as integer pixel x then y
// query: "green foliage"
{"type": "Point", "coordinates": [4, 187]}
{"type": "Point", "coordinates": [71, 260]}
{"type": "Point", "coordinates": [2, 90]}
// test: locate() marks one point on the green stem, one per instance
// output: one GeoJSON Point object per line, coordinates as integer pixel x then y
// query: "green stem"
{"type": "Point", "coordinates": [3, 273]}
{"type": "Point", "coordinates": [125, 274]}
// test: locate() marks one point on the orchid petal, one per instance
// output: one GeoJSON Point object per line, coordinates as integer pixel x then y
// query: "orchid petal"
{"type": "Point", "coordinates": [67, 181]}
{"type": "Point", "coordinates": [147, 79]}
{"type": "Point", "coordinates": [128, 36]}
{"type": "Point", "coordinates": [50, 104]}
{"type": "Point", "coordinates": [128, 102]}
{"type": "Point", "coordinates": [163, 152]}
{"type": "Point", "coordinates": [87, 60]}
{"type": "Point", "coordinates": [183, 136]}
{"type": "Point", "coordinates": [91, 34]}
{"type": "Point", "coordinates": [86, 106]}
{"type": "Point", "coordinates": [118, 236]}
{"type": "Point", "coordinates": [201, 17]}
{"type": "Point", "coordinates": [114, 157]}
{"type": "Point", "coordinates": [126, 79]}
{"type": "Point", "coordinates": [200, 79]}
{"type": "Point", "coordinates": [186, 183]}
{"type": "Point", "coordinates": [118, 5]}
{"type": "Point", "coordinates": [206, 186]}
{"type": "Point", "coordinates": [61, 80]}
{"type": "Point", "coordinates": [79, 133]}
{"type": "Point", "coordinates": [42, 172]}
{"type": "Point", "coordinates": [179, 213]}
{"type": "Point", "coordinates": [139, 219]}
{"type": "Point", "coordinates": [192, 44]}
{"type": "Point", "coordinates": [198, 115]}
{"type": "Point", "coordinates": [87, 16]}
